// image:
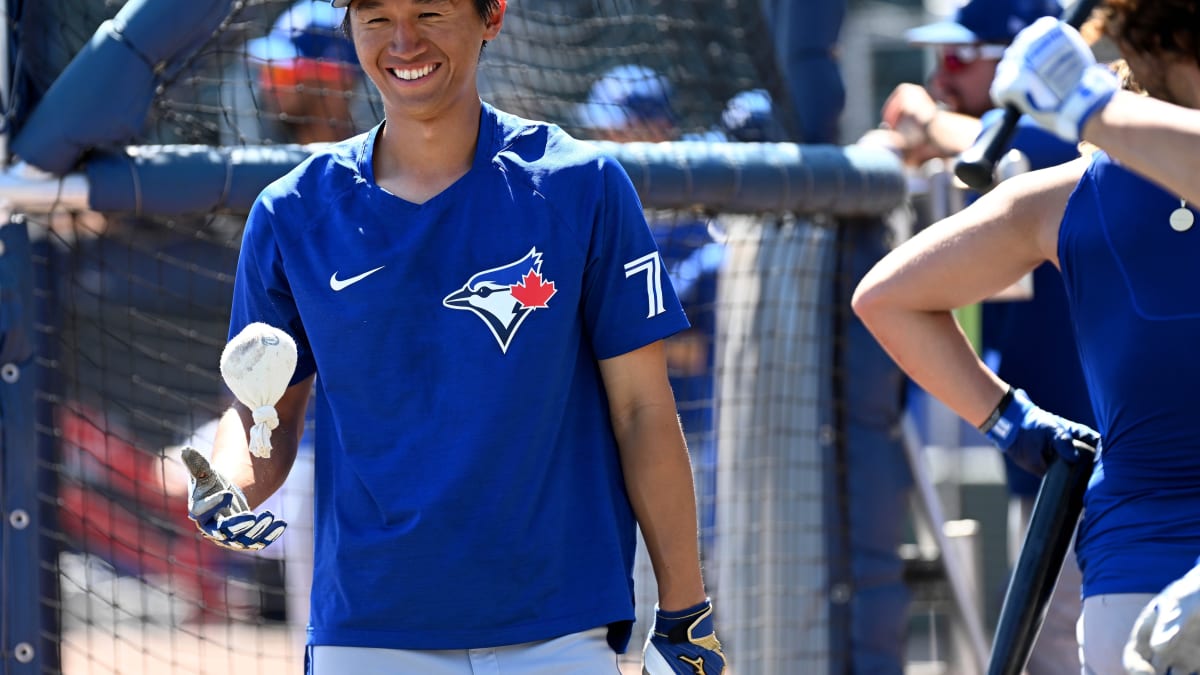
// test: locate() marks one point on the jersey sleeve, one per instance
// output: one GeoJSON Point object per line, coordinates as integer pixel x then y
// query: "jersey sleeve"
{"type": "Point", "coordinates": [628, 301]}
{"type": "Point", "coordinates": [261, 291]}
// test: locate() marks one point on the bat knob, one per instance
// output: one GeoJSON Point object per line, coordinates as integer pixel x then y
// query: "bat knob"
{"type": "Point", "coordinates": [975, 172]}
{"type": "Point", "coordinates": [197, 465]}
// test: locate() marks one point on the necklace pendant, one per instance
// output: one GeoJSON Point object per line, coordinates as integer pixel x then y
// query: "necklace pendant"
{"type": "Point", "coordinates": [1182, 219]}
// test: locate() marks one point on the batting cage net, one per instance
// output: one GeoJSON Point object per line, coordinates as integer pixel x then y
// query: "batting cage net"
{"type": "Point", "coordinates": [119, 260]}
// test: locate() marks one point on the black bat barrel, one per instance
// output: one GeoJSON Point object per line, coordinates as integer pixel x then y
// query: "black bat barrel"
{"type": "Point", "coordinates": [1051, 525]}
{"type": "Point", "coordinates": [977, 164]}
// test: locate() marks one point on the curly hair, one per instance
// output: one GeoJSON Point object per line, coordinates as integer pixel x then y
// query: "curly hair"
{"type": "Point", "coordinates": [1156, 27]}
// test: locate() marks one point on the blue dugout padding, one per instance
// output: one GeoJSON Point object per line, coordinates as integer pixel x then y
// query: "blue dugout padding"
{"type": "Point", "coordinates": [737, 178]}
{"type": "Point", "coordinates": [21, 641]}
{"type": "Point", "coordinates": [103, 96]}
{"type": "Point", "coordinates": [877, 478]}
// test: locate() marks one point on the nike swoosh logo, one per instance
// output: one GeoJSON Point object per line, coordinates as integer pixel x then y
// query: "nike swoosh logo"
{"type": "Point", "coordinates": [338, 284]}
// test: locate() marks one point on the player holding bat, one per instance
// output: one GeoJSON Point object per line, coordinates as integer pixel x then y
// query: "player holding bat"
{"type": "Point", "coordinates": [481, 305]}
{"type": "Point", "coordinates": [1123, 237]}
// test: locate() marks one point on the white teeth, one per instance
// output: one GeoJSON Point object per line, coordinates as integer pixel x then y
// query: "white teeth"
{"type": "Point", "coordinates": [411, 74]}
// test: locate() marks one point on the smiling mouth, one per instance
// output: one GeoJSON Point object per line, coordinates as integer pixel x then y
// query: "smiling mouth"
{"type": "Point", "coordinates": [411, 74]}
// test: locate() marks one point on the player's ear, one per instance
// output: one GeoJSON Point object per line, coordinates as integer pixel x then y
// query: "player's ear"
{"type": "Point", "coordinates": [495, 21]}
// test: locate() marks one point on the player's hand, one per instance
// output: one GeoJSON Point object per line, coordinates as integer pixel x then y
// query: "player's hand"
{"type": "Point", "coordinates": [1050, 74]}
{"type": "Point", "coordinates": [221, 512]}
{"type": "Point", "coordinates": [909, 109]}
{"type": "Point", "coordinates": [1033, 437]}
{"type": "Point", "coordinates": [906, 116]}
{"type": "Point", "coordinates": [683, 643]}
{"type": "Point", "coordinates": [1166, 634]}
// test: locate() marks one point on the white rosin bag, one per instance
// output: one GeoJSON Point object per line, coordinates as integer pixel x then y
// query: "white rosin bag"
{"type": "Point", "coordinates": [257, 365]}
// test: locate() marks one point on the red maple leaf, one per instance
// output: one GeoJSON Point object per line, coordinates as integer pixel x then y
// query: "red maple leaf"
{"type": "Point", "coordinates": [532, 293]}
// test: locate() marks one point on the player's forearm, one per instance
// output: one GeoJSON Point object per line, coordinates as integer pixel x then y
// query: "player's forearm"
{"type": "Point", "coordinates": [953, 132]}
{"type": "Point", "coordinates": [258, 478]}
{"type": "Point", "coordinates": [658, 479]}
{"type": "Point", "coordinates": [1154, 138]}
{"type": "Point", "coordinates": [932, 349]}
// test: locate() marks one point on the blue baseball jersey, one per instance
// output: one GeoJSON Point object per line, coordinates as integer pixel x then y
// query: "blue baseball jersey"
{"type": "Point", "coordinates": [1031, 342]}
{"type": "Point", "coordinates": [1131, 282]}
{"type": "Point", "coordinates": [468, 486]}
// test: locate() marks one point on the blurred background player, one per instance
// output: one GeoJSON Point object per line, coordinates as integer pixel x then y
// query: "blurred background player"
{"type": "Point", "coordinates": [629, 103]}
{"type": "Point", "coordinates": [749, 117]}
{"type": "Point", "coordinates": [1030, 341]}
{"type": "Point", "coordinates": [433, 552]}
{"type": "Point", "coordinates": [944, 117]}
{"type": "Point", "coordinates": [303, 76]}
{"type": "Point", "coordinates": [1124, 242]}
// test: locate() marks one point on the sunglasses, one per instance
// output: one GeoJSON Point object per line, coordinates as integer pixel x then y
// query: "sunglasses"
{"type": "Point", "coordinates": [956, 58]}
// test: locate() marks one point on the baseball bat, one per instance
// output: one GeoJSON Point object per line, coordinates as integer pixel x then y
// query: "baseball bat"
{"type": "Point", "coordinates": [1056, 511]}
{"type": "Point", "coordinates": [976, 165]}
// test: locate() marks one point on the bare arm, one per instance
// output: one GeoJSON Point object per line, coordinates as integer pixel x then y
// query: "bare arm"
{"type": "Point", "coordinates": [953, 132]}
{"type": "Point", "coordinates": [260, 478]}
{"type": "Point", "coordinates": [905, 300]}
{"type": "Point", "coordinates": [657, 470]}
{"type": "Point", "coordinates": [1156, 139]}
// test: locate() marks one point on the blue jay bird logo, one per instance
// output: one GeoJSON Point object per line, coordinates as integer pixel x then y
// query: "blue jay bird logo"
{"type": "Point", "coordinates": [504, 296]}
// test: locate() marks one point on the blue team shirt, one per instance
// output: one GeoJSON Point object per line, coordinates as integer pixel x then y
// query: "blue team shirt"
{"type": "Point", "coordinates": [1032, 339]}
{"type": "Point", "coordinates": [468, 486]}
{"type": "Point", "coordinates": [1131, 283]}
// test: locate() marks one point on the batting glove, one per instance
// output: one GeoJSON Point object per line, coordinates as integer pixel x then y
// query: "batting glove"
{"type": "Point", "coordinates": [220, 511]}
{"type": "Point", "coordinates": [1050, 74]}
{"type": "Point", "coordinates": [1031, 436]}
{"type": "Point", "coordinates": [683, 643]}
{"type": "Point", "coordinates": [1166, 635]}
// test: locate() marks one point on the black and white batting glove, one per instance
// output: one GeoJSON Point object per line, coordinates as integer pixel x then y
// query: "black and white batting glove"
{"type": "Point", "coordinates": [221, 512]}
{"type": "Point", "coordinates": [683, 643]}
{"type": "Point", "coordinates": [1166, 635]}
{"type": "Point", "coordinates": [1050, 74]}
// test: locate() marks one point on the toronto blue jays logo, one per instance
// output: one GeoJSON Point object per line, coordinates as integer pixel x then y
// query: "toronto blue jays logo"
{"type": "Point", "coordinates": [504, 296]}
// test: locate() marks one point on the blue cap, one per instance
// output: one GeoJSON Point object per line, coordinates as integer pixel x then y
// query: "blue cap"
{"type": "Point", "coordinates": [990, 21]}
{"type": "Point", "coordinates": [307, 30]}
{"type": "Point", "coordinates": [750, 117]}
{"type": "Point", "coordinates": [626, 94]}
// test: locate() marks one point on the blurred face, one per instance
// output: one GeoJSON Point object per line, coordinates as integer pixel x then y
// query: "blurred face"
{"type": "Point", "coordinates": [313, 95]}
{"type": "Point", "coordinates": [422, 55]}
{"type": "Point", "coordinates": [963, 75]}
